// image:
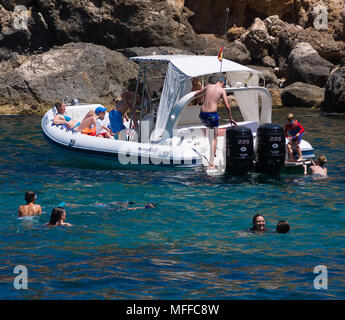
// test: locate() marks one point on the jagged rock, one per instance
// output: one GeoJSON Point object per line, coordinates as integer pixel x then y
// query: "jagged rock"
{"type": "Point", "coordinates": [235, 33]}
{"type": "Point", "coordinates": [242, 13]}
{"type": "Point", "coordinates": [305, 65]}
{"type": "Point", "coordinates": [335, 92]}
{"type": "Point", "coordinates": [276, 93]}
{"type": "Point", "coordinates": [120, 24]}
{"type": "Point", "coordinates": [257, 40]}
{"type": "Point", "coordinates": [211, 44]}
{"type": "Point", "coordinates": [342, 63]}
{"type": "Point", "coordinates": [88, 72]}
{"type": "Point", "coordinates": [24, 32]}
{"type": "Point", "coordinates": [114, 24]}
{"type": "Point", "coordinates": [301, 94]}
{"type": "Point", "coordinates": [268, 62]}
{"type": "Point", "coordinates": [235, 51]}
{"type": "Point", "coordinates": [322, 42]}
{"type": "Point", "coordinates": [268, 73]}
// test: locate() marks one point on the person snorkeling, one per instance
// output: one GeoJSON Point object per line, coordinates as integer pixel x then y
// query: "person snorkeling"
{"type": "Point", "coordinates": [30, 208]}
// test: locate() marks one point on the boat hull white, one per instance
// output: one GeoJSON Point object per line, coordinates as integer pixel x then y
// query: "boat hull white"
{"type": "Point", "coordinates": [117, 153]}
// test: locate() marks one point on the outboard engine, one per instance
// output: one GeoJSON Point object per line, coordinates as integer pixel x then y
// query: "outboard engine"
{"type": "Point", "coordinates": [270, 148]}
{"type": "Point", "coordinates": [239, 150]}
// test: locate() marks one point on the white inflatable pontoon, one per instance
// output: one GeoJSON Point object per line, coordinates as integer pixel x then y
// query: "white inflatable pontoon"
{"type": "Point", "coordinates": [170, 133]}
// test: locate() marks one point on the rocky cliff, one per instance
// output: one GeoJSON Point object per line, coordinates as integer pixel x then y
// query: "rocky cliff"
{"type": "Point", "coordinates": [270, 34]}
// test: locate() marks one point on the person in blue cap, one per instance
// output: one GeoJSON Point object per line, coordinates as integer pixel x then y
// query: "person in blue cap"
{"type": "Point", "coordinates": [102, 124]}
{"type": "Point", "coordinates": [208, 112]}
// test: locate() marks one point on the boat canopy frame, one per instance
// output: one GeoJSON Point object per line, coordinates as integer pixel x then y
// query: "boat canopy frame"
{"type": "Point", "coordinates": [180, 69]}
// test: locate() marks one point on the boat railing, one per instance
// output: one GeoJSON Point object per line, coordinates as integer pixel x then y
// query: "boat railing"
{"type": "Point", "coordinates": [176, 112]}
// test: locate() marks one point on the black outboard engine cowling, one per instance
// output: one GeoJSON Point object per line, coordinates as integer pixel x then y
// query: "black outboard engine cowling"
{"type": "Point", "coordinates": [239, 150]}
{"type": "Point", "coordinates": [270, 148]}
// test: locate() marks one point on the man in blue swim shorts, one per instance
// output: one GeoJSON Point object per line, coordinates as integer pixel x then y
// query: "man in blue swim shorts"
{"type": "Point", "coordinates": [208, 113]}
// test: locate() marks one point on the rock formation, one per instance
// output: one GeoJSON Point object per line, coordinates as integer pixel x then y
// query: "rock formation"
{"type": "Point", "coordinates": [279, 34]}
{"type": "Point", "coordinates": [305, 65]}
{"type": "Point", "coordinates": [335, 92]}
{"type": "Point", "coordinates": [301, 94]}
{"type": "Point", "coordinates": [88, 72]}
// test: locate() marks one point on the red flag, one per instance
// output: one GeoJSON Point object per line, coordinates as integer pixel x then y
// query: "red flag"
{"type": "Point", "coordinates": [220, 55]}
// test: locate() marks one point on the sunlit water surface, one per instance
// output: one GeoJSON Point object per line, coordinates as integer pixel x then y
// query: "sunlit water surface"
{"type": "Point", "coordinates": [192, 246]}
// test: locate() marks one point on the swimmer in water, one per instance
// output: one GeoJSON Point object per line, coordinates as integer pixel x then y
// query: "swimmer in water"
{"type": "Point", "coordinates": [125, 205]}
{"type": "Point", "coordinates": [57, 218]}
{"type": "Point", "coordinates": [283, 226]}
{"type": "Point", "coordinates": [148, 206]}
{"type": "Point", "coordinates": [318, 167]}
{"type": "Point", "coordinates": [258, 224]}
{"type": "Point", "coordinates": [30, 208]}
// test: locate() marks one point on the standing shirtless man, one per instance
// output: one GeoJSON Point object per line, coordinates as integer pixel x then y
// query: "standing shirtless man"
{"type": "Point", "coordinates": [208, 113]}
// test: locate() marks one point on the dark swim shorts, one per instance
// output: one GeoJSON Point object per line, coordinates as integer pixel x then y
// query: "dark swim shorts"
{"type": "Point", "coordinates": [210, 119]}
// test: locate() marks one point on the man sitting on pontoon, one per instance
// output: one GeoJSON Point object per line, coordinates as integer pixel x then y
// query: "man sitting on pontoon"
{"type": "Point", "coordinates": [208, 113]}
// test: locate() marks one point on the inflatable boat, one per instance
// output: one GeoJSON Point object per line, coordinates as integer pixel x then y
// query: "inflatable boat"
{"type": "Point", "coordinates": [170, 132]}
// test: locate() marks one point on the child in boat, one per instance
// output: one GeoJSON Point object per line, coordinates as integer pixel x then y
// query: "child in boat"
{"type": "Point", "coordinates": [30, 208]}
{"type": "Point", "coordinates": [102, 124]}
{"type": "Point", "coordinates": [318, 167]}
{"type": "Point", "coordinates": [293, 131]}
{"type": "Point", "coordinates": [57, 218]}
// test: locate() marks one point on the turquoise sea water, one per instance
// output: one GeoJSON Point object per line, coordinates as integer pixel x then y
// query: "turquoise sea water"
{"type": "Point", "coordinates": [192, 246]}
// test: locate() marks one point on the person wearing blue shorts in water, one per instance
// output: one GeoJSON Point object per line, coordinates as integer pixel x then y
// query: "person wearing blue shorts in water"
{"type": "Point", "coordinates": [208, 113]}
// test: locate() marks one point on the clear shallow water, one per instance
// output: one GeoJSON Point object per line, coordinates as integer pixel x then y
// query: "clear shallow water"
{"type": "Point", "coordinates": [192, 246]}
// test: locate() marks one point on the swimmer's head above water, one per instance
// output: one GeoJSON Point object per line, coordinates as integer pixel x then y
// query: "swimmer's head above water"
{"type": "Point", "coordinates": [321, 160]}
{"type": "Point", "coordinates": [283, 227]}
{"type": "Point", "coordinates": [30, 196]}
{"type": "Point", "coordinates": [58, 214]}
{"type": "Point", "coordinates": [258, 223]}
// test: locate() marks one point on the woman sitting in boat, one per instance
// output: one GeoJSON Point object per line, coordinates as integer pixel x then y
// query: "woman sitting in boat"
{"type": "Point", "coordinates": [63, 119]}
